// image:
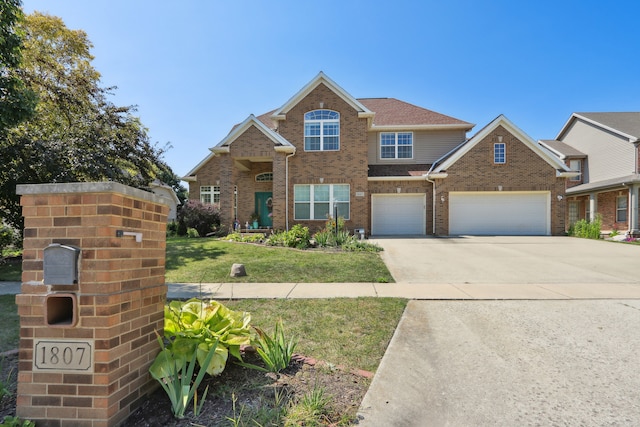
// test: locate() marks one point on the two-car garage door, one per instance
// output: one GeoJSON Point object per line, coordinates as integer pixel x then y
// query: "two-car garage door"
{"type": "Point", "coordinates": [398, 214]}
{"type": "Point", "coordinates": [499, 213]}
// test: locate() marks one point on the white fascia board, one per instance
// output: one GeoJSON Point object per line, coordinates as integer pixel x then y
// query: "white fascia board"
{"type": "Point", "coordinates": [190, 178]}
{"type": "Point", "coordinates": [555, 152]}
{"type": "Point", "coordinates": [570, 174]}
{"type": "Point", "coordinates": [439, 175]}
{"type": "Point", "coordinates": [223, 146]}
{"type": "Point", "coordinates": [409, 128]}
{"type": "Point", "coordinates": [501, 120]}
{"type": "Point", "coordinates": [280, 113]}
{"type": "Point", "coordinates": [631, 138]}
{"type": "Point", "coordinates": [285, 149]}
{"type": "Point", "coordinates": [396, 178]}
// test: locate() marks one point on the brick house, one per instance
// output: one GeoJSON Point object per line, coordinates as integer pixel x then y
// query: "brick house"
{"type": "Point", "coordinates": [604, 148]}
{"type": "Point", "coordinates": [376, 162]}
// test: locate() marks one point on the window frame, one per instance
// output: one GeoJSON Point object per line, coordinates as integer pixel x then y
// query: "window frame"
{"type": "Point", "coordinates": [499, 155]}
{"type": "Point", "coordinates": [622, 210]}
{"type": "Point", "coordinates": [314, 201]}
{"type": "Point", "coordinates": [396, 145]}
{"type": "Point", "coordinates": [579, 169]}
{"type": "Point", "coordinates": [264, 177]}
{"type": "Point", "coordinates": [213, 193]}
{"type": "Point", "coordinates": [324, 125]}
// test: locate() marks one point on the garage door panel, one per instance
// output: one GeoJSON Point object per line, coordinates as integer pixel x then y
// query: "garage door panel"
{"type": "Point", "coordinates": [398, 214]}
{"type": "Point", "coordinates": [499, 213]}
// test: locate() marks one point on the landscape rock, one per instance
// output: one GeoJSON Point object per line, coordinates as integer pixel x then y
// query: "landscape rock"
{"type": "Point", "coordinates": [238, 270]}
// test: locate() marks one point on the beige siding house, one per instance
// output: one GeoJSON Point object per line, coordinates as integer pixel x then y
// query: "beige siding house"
{"type": "Point", "coordinates": [604, 148]}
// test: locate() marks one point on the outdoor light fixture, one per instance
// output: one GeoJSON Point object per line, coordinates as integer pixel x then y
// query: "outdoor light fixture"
{"type": "Point", "coordinates": [442, 198]}
{"type": "Point", "coordinates": [559, 197]}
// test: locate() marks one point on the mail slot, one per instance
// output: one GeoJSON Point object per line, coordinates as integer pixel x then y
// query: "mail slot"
{"type": "Point", "coordinates": [61, 264]}
{"type": "Point", "coordinates": [61, 310]}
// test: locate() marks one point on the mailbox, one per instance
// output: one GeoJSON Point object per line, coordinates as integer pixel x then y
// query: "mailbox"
{"type": "Point", "coordinates": [61, 264]}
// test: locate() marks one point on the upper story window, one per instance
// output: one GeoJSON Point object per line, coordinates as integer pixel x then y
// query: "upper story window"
{"type": "Point", "coordinates": [264, 177]}
{"type": "Point", "coordinates": [322, 130]}
{"type": "Point", "coordinates": [576, 165]}
{"type": "Point", "coordinates": [499, 153]}
{"type": "Point", "coordinates": [396, 145]}
{"type": "Point", "coordinates": [210, 195]}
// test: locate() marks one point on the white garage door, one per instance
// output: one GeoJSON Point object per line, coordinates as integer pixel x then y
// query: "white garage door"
{"type": "Point", "coordinates": [500, 213]}
{"type": "Point", "coordinates": [398, 214]}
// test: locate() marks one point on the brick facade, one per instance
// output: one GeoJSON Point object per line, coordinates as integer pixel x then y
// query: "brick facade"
{"type": "Point", "coordinates": [524, 170]}
{"type": "Point", "coordinates": [120, 298]}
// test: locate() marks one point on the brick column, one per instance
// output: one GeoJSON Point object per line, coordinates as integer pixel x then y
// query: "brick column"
{"type": "Point", "coordinates": [93, 369]}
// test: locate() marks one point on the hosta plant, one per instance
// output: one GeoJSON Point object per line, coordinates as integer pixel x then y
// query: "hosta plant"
{"type": "Point", "coordinates": [175, 374]}
{"type": "Point", "coordinates": [195, 325]}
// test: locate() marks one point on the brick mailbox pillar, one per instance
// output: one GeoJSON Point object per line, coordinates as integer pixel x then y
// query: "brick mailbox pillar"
{"type": "Point", "coordinates": [92, 299]}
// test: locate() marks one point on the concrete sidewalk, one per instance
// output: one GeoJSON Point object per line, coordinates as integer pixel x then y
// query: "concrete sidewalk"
{"type": "Point", "coordinates": [565, 291]}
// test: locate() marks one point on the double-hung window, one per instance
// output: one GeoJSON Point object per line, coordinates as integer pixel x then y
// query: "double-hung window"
{"type": "Point", "coordinates": [396, 145]}
{"type": "Point", "coordinates": [621, 209]}
{"type": "Point", "coordinates": [576, 165]}
{"type": "Point", "coordinates": [499, 153]}
{"type": "Point", "coordinates": [319, 201]}
{"type": "Point", "coordinates": [322, 130]}
{"type": "Point", "coordinates": [210, 195]}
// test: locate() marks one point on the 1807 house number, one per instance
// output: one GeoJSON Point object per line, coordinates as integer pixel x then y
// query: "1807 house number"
{"type": "Point", "coordinates": [62, 355]}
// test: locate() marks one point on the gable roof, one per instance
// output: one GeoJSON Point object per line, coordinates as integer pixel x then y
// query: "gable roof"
{"type": "Point", "coordinates": [393, 113]}
{"type": "Point", "coordinates": [560, 149]}
{"type": "Point", "coordinates": [280, 143]}
{"type": "Point", "coordinates": [321, 78]}
{"type": "Point", "coordinates": [624, 124]}
{"type": "Point", "coordinates": [501, 120]}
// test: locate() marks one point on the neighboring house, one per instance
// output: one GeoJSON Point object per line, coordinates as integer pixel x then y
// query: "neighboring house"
{"type": "Point", "coordinates": [166, 192]}
{"type": "Point", "coordinates": [376, 162]}
{"type": "Point", "coordinates": [604, 148]}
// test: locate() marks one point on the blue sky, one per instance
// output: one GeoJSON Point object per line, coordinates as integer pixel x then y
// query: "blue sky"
{"type": "Point", "coordinates": [195, 68]}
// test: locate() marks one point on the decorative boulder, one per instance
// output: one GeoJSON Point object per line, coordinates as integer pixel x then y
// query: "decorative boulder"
{"type": "Point", "coordinates": [237, 270]}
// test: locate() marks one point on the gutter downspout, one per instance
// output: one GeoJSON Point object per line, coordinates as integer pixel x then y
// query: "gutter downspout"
{"type": "Point", "coordinates": [433, 183]}
{"type": "Point", "coordinates": [286, 194]}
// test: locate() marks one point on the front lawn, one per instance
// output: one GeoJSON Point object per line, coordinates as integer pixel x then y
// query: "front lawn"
{"type": "Point", "coordinates": [209, 261]}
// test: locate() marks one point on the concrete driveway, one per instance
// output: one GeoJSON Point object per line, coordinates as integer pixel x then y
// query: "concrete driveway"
{"type": "Point", "coordinates": [510, 260]}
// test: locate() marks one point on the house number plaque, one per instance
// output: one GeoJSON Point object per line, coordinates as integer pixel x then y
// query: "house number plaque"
{"type": "Point", "coordinates": [63, 355]}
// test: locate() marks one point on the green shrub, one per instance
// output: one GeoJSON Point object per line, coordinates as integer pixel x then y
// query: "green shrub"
{"type": "Point", "coordinates": [192, 232]}
{"type": "Point", "coordinates": [586, 229]}
{"type": "Point", "coordinates": [324, 238]}
{"type": "Point", "coordinates": [8, 237]}
{"type": "Point", "coordinates": [204, 218]}
{"type": "Point", "coordinates": [298, 237]}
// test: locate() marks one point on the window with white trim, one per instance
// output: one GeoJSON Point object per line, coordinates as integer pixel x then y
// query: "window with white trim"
{"type": "Point", "coordinates": [210, 195]}
{"type": "Point", "coordinates": [621, 209]}
{"type": "Point", "coordinates": [499, 153]}
{"type": "Point", "coordinates": [576, 165]}
{"type": "Point", "coordinates": [318, 201]}
{"type": "Point", "coordinates": [573, 212]}
{"type": "Point", "coordinates": [264, 177]}
{"type": "Point", "coordinates": [322, 130]}
{"type": "Point", "coordinates": [396, 145]}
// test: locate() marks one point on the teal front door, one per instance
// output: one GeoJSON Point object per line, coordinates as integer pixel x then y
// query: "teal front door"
{"type": "Point", "coordinates": [264, 203]}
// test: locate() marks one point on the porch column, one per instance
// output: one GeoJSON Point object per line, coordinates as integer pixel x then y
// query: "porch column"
{"type": "Point", "coordinates": [633, 213]}
{"type": "Point", "coordinates": [593, 205]}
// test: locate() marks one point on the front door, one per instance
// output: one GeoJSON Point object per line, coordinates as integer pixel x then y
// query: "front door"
{"type": "Point", "coordinates": [264, 204]}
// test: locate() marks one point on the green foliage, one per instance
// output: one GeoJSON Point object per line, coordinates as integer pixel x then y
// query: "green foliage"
{"type": "Point", "coordinates": [275, 351]}
{"type": "Point", "coordinates": [586, 229]}
{"type": "Point", "coordinates": [311, 410]}
{"type": "Point", "coordinates": [17, 102]}
{"type": "Point", "coordinates": [175, 373]}
{"type": "Point", "coordinates": [192, 233]}
{"type": "Point", "coordinates": [76, 133]}
{"type": "Point", "coordinates": [202, 217]}
{"type": "Point", "coordinates": [5, 385]}
{"type": "Point", "coordinates": [8, 237]}
{"type": "Point", "coordinates": [353, 244]}
{"type": "Point", "coordinates": [10, 421]}
{"type": "Point", "coordinates": [245, 238]}
{"type": "Point", "coordinates": [298, 237]}
{"type": "Point", "coordinates": [614, 233]}
{"type": "Point", "coordinates": [195, 325]}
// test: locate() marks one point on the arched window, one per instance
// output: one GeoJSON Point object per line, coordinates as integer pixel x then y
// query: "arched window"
{"type": "Point", "coordinates": [322, 130]}
{"type": "Point", "coordinates": [264, 177]}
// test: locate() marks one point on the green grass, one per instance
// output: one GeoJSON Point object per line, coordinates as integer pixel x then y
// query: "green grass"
{"type": "Point", "coordinates": [10, 321]}
{"type": "Point", "coordinates": [354, 332]}
{"type": "Point", "coordinates": [210, 260]}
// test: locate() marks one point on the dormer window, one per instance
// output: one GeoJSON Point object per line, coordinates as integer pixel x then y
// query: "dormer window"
{"type": "Point", "coordinates": [576, 165]}
{"type": "Point", "coordinates": [322, 130]}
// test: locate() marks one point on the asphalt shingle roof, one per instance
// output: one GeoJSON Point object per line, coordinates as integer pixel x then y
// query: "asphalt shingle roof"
{"type": "Point", "coordinates": [393, 112]}
{"type": "Point", "coordinates": [625, 122]}
{"type": "Point", "coordinates": [563, 149]}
